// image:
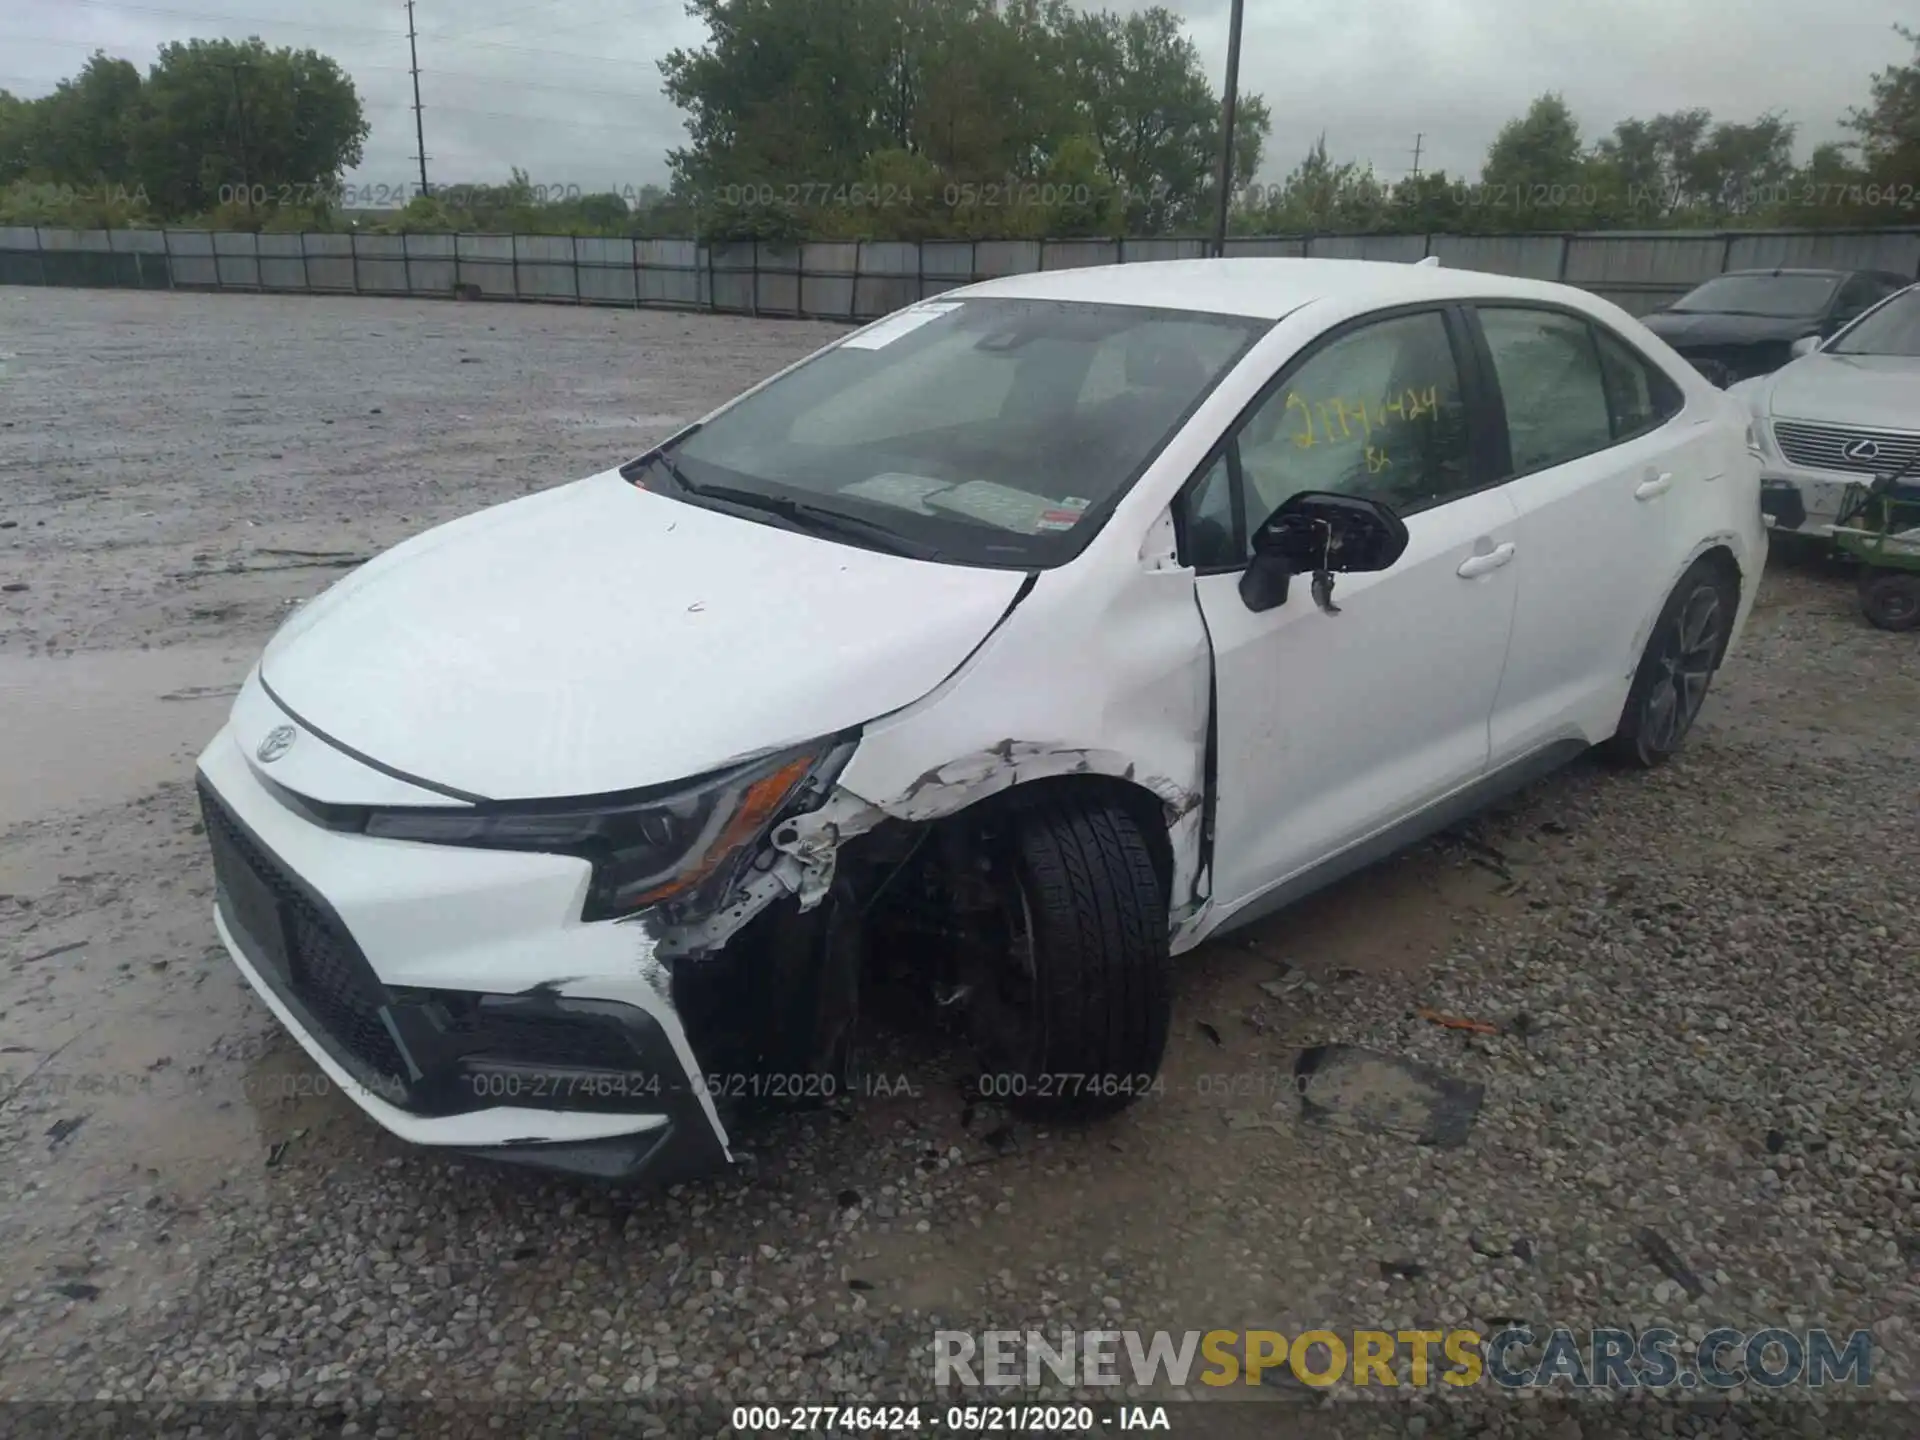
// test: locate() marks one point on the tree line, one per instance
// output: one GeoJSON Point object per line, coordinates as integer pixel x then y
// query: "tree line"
{"type": "Point", "coordinates": [913, 119]}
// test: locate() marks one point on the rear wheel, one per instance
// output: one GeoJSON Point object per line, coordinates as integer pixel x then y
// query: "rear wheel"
{"type": "Point", "coordinates": [1891, 598]}
{"type": "Point", "coordinates": [1684, 650]}
{"type": "Point", "coordinates": [1072, 1020]}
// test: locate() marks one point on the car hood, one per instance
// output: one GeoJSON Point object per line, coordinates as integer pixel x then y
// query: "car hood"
{"type": "Point", "coordinates": [1878, 392]}
{"type": "Point", "coordinates": [1682, 329]}
{"type": "Point", "coordinates": [596, 637]}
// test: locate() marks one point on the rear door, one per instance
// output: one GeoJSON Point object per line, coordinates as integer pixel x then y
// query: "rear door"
{"type": "Point", "coordinates": [1608, 474]}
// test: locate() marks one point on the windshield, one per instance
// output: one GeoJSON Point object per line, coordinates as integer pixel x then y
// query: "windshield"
{"type": "Point", "coordinates": [1784, 296]}
{"type": "Point", "coordinates": [987, 431]}
{"type": "Point", "coordinates": [1893, 329]}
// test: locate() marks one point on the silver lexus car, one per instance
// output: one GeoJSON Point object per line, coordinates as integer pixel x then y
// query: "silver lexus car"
{"type": "Point", "coordinates": [1844, 410]}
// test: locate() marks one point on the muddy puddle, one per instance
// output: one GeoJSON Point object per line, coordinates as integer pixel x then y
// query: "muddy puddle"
{"type": "Point", "coordinates": [139, 1082]}
{"type": "Point", "coordinates": [99, 727]}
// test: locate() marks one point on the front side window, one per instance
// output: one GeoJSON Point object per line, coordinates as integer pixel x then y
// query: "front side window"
{"type": "Point", "coordinates": [1376, 412]}
{"type": "Point", "coordinates": [1893, 329]}
{"type": "Point", "coordinates": [1551, 382]}
{"type": "Point", "coordinates": [988, 431]}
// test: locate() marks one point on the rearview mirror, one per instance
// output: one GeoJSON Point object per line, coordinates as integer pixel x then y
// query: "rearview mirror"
{"type": "Point", "coordinates": [1806, 345]}
{"type": "Point", "coordinates": [1321, 533]}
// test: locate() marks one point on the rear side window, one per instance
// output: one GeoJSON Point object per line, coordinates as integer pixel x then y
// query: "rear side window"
{"type": "Point", "coordinates": [1639, 397]}
{"type": "Point", "coordinates": [1552, 384]}
{"type": "Point", "coordinates": [1857, 294]}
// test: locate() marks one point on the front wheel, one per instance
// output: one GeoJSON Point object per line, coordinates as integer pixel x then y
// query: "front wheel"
{"type": "Point", "coordinates": [1891, 598]}
{"type": "Point", "coordinates": [1075, 1022]}
{"type": "Point", "coordinates": [1682, 653]}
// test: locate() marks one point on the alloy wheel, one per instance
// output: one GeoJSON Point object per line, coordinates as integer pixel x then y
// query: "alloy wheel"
{"type": "Point", "coordinates": [1688, 654]}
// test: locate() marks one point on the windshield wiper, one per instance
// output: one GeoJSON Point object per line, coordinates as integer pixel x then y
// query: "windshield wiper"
{"type": "Point", "coordinates": [813, 519]}
{"type": "Point", "coordinates": [674, 472]}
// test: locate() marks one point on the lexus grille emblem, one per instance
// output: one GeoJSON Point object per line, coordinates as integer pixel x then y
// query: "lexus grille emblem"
{"type": "Point", "coordinates": [279, 740]}
{"type": "Point", "coordinates": [1861, 450]}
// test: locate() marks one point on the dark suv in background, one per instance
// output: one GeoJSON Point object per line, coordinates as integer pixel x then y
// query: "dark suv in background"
{"type": "Point", "coordinates": [1744, 323]}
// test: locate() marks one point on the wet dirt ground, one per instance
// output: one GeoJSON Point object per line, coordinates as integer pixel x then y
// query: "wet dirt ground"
{"type": "Point", "coordinates": [176, 1184]}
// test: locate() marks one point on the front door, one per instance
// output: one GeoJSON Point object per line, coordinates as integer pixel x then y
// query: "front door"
{"type": "Point", "coordinates": [1333, 726]}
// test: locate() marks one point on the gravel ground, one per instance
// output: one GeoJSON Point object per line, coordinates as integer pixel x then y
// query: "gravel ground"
{"type": "Point", "coordinates": [1702, 979]}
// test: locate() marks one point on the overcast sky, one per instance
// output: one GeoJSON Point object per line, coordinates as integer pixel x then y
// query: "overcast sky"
{"type": "Point", "coordinates": [569, 90]}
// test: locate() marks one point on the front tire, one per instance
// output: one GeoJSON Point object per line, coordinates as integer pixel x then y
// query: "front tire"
{"type": "Point", "coordinates": [1891, 598]}
{"type": "Point", "coordinates": [1683, 652]}
{"type": "Point", "coordinates": [1087, 932]}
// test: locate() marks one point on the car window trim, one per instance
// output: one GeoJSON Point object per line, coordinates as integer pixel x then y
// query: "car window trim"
{"type": "Point", "coordinates": [1224, 452]}
{"type": "Point", "coordinates": [1498, 401]}
{"type": "Point", "coordinates": [1833, 341]}
{"type": "Point", "coordinates": [1453, 318]}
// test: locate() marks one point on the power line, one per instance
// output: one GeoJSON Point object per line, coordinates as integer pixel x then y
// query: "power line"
{"type": "Point", "coordinates": [628, 60]}
{"type": "Point", "coordinates": [450, 38]}
{"type": "Point", "coordinates": [460, 37]}
{"type": "Point", "coordinates": [622, 125]}
{"type": "Point", "coordinates": [501, 81]}
{"type": "Point", "coordinates": [541, 85]}
{"type": "Point", "coordinates": [500, 20]}
{"type": "Point", "coordinates": [229, 19]}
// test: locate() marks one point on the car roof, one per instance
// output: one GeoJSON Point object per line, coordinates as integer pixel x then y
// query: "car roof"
{"type": "Point", "coordinates": [1264, 287]}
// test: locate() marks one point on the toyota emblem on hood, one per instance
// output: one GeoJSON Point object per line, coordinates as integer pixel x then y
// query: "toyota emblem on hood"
{"type": "Point", "coordinates": [1861, 450]}
{"type": "Point", "coordinates": [279, 740]}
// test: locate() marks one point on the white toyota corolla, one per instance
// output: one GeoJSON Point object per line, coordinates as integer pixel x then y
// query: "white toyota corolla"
{"type": "Point", "coordinates": [1017, 642]}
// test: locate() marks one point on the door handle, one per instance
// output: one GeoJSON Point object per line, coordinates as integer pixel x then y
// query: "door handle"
{"type": "Point", "coordinates": [1482, 564]}
{"type": "Point", "coordinates": [1654, 486]}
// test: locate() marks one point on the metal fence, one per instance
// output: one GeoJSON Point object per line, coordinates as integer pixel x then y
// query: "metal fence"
{"type": "Point", "coordinates": [858, 280]}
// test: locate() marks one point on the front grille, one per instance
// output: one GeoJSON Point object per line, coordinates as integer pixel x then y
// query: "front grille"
{"type": "Point", "coordinates": [1823, 447]}
{"type": "Point", "coordinates": [563, 1041]}
{"type": "Point", "coordinates": [324, 974]}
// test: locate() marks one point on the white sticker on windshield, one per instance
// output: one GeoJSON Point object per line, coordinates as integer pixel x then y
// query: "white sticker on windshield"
{"type": "Point", "coordinates": [885, 332]}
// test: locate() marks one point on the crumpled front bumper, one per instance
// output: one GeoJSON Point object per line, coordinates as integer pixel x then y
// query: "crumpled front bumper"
{"type": "Point", "coordinates": [455, 995]}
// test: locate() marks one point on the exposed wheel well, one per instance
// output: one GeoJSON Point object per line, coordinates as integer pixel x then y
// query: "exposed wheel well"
{"type": "Point", "coordinates": [874, 855]}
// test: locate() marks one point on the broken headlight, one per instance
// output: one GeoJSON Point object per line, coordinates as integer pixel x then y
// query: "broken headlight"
{"type": "Point", "coordinates": [649, 847]}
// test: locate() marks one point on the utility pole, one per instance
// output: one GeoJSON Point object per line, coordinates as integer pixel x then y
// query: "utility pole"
{"type": "Point", "coordinates": [233, 69]}
{"type": "Point", "coordinates": [1226, 128]}
{"type": "Point", "coordinates": [419, 124]}
{"type": "Point", "coordinates": [1416, 157]}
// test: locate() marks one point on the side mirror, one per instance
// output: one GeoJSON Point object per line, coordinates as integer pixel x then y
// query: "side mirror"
{"type": "Point", "coordinates": [1806, 345]}
{"type": "Point", "coordinates": [1320, 533]}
